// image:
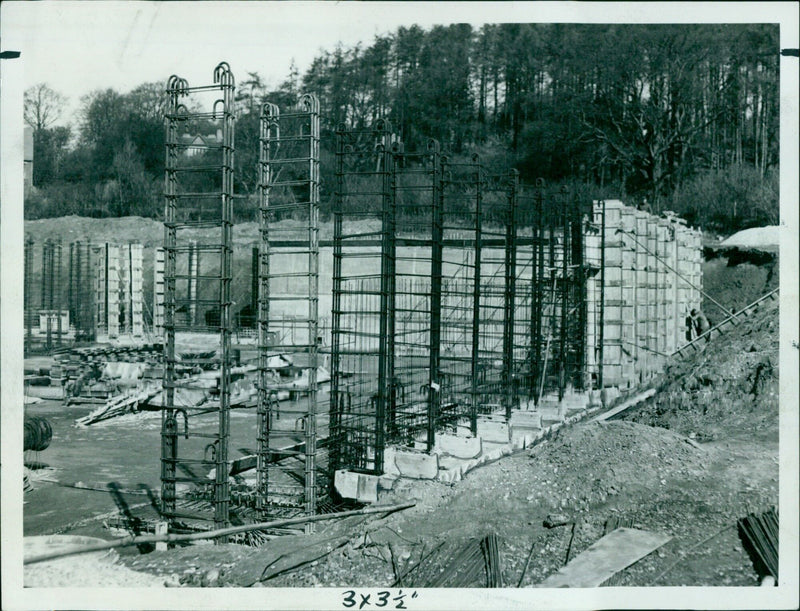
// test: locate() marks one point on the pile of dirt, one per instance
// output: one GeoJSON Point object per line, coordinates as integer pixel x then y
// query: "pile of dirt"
{"type": "Point", "coordinates": [590, 463]}
{"type": "Point", "coordinates": [756, 237]}
{"type": "Point", "coordinates": [727, 390]}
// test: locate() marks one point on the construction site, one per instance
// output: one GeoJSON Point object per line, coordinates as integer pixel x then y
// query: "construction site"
{"type": "Point", "coordinates": [459, 379]}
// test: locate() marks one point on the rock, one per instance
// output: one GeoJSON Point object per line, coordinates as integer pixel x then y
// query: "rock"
{"type": "Point", "coordinates": [173, 581]}
{"type": "Point", "coordinates": [211, 579]}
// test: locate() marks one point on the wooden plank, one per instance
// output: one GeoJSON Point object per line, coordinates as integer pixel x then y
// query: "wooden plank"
{"type": "Point", "coordinates": [625, 405]}
{"type": "Point", "coordinates": [607, 556]}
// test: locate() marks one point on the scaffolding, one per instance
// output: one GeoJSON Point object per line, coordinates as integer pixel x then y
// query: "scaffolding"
{"type": "Point", "coordinates": [198, 194]}
{"type": "Point", "coordinates": [288, 302]}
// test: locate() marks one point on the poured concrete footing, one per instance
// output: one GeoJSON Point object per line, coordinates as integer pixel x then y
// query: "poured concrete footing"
{"type": "Point", "coordinates": [454, 455]}
{"type": "Point", "coordinates": [357, 486]}
{"type": "Point", "coordinates": [416, 465]}
{"type": "Point", "coordinates": [459, 447]}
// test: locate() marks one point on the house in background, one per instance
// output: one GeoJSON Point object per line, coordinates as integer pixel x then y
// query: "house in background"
{"type": "Point", "coordinates": [28, 160]}
{"type": "Point", "coordinates": [199, 144]}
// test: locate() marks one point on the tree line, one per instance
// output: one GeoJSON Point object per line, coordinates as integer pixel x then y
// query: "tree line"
{"type": "Point", "coordinates": [684, 116]}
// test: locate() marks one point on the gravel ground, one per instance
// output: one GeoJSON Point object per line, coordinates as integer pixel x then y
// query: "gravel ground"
{"type": "Point", "coordinates": [98, 569]}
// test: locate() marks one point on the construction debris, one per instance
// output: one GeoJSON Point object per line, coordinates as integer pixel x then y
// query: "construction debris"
{"type": "Point", "coordinates": [117, 406]}
{"type": "Point", "coordinates": [213, 534]}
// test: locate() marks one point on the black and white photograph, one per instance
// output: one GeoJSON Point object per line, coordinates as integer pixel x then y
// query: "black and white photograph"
{"type": "Point", "coordinates": [399, 305]}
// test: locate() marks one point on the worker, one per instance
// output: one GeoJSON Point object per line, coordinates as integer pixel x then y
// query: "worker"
{"type": "Point", "coordinates": [689, 323]}
{"type": "Point", "coordinates": [701, 324]}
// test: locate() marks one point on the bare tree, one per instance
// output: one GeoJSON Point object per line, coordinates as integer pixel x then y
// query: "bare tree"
{"type": "Point", "coordinates": [43, 106]}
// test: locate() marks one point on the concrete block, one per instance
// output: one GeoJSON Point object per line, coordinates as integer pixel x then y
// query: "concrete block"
{"type": "Point", "coordinates": [417, 465]}
{"type": "Point", "coordinates": [358, 486]}
{"type": "Point", "coordinates": [162, 528]}
{"type": "Point", "coordinates": [550, 416]}
{"type": "Point", "coordinates": [521, 439]}
{"type": "Point", "coordinates": [528, 420]}
{"type": "Point", "coordinates": [493, 431]}
{"type": "Point", "coordinates": [450, 476]}
{"type": "Point", "coordinates": [609, 395]}
{"type": "Point", "coordinates": [386, 482]}
{"type": "Point", "coordinates": [389, 466]}
{"type": "Point", "coordinates": [459, 447]}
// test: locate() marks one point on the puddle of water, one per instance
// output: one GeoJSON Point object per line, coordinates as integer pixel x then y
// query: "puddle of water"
{"type": "Point", "coordinates": [126, 450]}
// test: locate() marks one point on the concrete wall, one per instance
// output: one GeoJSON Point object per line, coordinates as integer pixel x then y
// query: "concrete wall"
{"type": "Point", "coordinates": [653, 278]}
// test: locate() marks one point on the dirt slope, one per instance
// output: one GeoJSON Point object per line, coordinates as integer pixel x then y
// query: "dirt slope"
{"type": "Point", "coordinates": [727, 391]}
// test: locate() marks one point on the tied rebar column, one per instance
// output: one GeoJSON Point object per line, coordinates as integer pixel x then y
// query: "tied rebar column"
{"type": "Point", "coordinates": [198, 195]}
{"type": "Point", "coordinates": [336, 394]}
{"type": "Point", "coordinates": [48, 276]}
{"type": "Point", "coordinates": [459, 344]}
{"type": "Point", "coordinates": [289, 310]}
{"type": "Point", "coordinates": [510, 294]}
{"type": "Point", "coordinates": [434, 381]}
{"type": "Point", "coordinates": [538, 287]}
{"type": "Point", "coordinates": [268, 128]}
{"type": "Point", "coordinates": [80, 290]}
{"type": "Point", "coordinates": [363, 385]}
{"type": "Point", "coordinates": [386, 328]}
{"type": "Point", "coordinates": [601, 324]}
{"type": "Point", "coordinates": [476, 296]}
{"type": "Point", "coordinates": [579, 336]}
{"type": "Point", "coordinates": [564, 293]}
{"type": "Point", "coordinates": [57, 288]}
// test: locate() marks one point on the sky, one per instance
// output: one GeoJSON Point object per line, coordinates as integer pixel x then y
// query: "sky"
{"type": "Point", "coordinates": [78, 47]}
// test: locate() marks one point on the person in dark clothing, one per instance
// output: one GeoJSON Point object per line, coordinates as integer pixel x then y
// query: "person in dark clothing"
{"type": "Point", "coordinates": [701, 324]}
{"type": "Point", "coordinates": [689, 323]}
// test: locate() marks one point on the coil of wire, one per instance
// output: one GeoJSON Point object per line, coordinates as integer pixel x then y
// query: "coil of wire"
{"type": "Point", "coordinates": [38, 434]}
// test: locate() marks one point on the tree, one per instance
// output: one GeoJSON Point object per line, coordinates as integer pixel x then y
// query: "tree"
{"type": "Point", "coordinates": [49, 150]}
{"type": "Point", "coordinates": [43, 106]}
{"type": "Point", "coordinates": [134, 192]}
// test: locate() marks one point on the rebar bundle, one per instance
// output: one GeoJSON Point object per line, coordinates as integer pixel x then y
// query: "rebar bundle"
{"type": "Point", "coordinates": [759, 534]}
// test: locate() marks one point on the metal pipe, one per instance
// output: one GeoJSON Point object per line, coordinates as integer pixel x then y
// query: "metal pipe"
{"type": "Point", "coordinates": [213, 534]}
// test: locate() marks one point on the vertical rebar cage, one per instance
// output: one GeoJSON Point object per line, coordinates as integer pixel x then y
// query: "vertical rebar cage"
{"type": "Point", "coordinates": [559, 315]}
{"type": "Point", "coordinates": [288, 304]}
{"type": "Point", "coordinates": [495, 308]}
{"type": "Point", "coordinates": [197, 301]}
{"type": "Point", "coordinates": [362, 339]}
{"type": "Point", "coordinates": [414, 403]}
{"type": "Point", "coordinates": [462, 192]}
